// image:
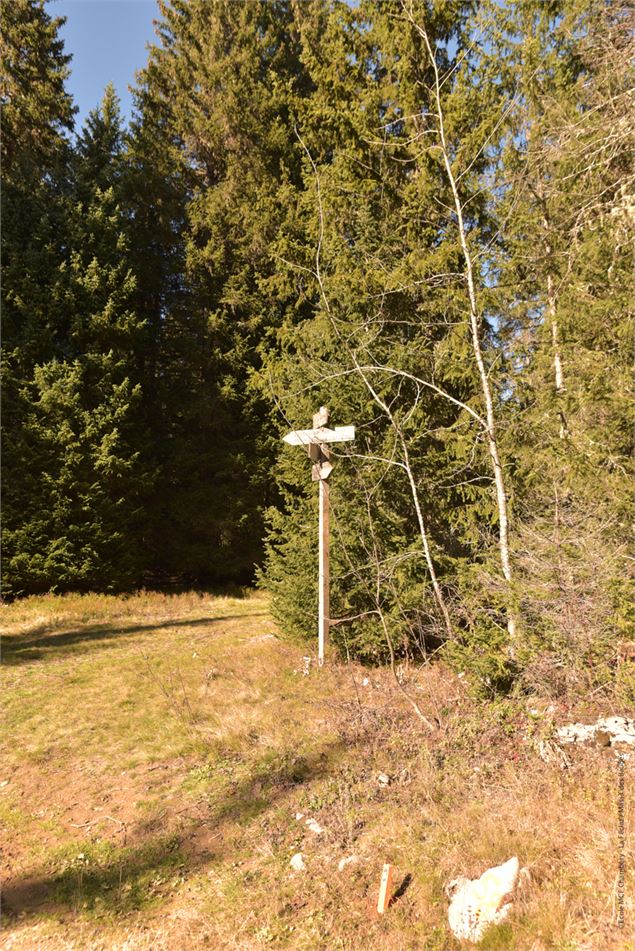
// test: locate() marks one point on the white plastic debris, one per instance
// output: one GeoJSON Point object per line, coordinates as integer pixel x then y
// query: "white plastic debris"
{"type": "Point", "coordinates": [297, 862]}
{"type": "Point", "coordinates": [477, 904]}
{"type": "Point", "coordinates": [299, 815]}
{"type": "Point", "coordinates": [365, 682]}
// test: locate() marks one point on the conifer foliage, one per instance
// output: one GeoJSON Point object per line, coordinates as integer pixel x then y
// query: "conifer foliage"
{"type": "Point", "coordinates": [417, 213]}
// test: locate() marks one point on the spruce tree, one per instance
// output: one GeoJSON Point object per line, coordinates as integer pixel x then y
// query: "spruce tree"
{"type": "Point", "coordinates": [37, 116]}
{"type": "Point", "coordinates": [212, 60]}
{"type": "Point", "coordinates": [155, 186]}
{"type": "Point", "coordinates": [564, 279]}
{"type": "Point", "coordinates": [381, 336]}
{"type": "Point", "coordinates": [79, 529]}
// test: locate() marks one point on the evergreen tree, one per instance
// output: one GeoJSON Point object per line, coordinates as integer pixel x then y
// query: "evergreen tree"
{"type": "Point", "coordinates": [565, 321]}
{"type": "Point", "coordinates": [382, 335]}
{"type": "Point", "coordinates": [216, 451]}
{"type": "Point", "coordinates": [37, 114]}
{"type": "Point", "coordinates": [155, 185]}
{"type": "Point", "coordinates": [80, 526]}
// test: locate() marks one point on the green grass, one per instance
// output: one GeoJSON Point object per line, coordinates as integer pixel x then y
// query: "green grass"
{"type": "Point", "coordinates": [158, 748]}
{"type": "Point", "coordinates": [108, 880]}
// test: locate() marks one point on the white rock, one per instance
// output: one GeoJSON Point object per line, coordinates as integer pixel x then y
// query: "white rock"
{"type": "Point", "coordinates": [619, 729]}
{"type": "Point", "coordinates": [383, 779]}
{"type": "Point", "coordinates": [477, 904]}
{"type": "Point", "coordinates": [297, 862]}
{"type": "Point", "coordinates": [349, 860]}
{"type": "Point", "coordinates": [576, 733]}
{"type": "Point", "coordinates": [299, 815]}
{"type": "Point", "coordinates": [365, 682]}
{"type": "Point", "coordinates": [314, 826]}
{"type": "Point", "coordinates": [617, 725]}
{"type": "Point", "coordinates": [623, 738]}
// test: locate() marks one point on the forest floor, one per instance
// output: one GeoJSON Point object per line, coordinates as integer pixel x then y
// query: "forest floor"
{"type": "Point", "coordinates": [161, 755]}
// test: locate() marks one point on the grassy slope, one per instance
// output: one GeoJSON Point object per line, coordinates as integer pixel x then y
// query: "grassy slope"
{"type": "Point", "coordinates": [157, 750]}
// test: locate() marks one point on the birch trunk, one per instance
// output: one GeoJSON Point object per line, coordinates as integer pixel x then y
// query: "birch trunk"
{"type": "Point", "coordinates": [552, 312]}
{"type": "Point", "coordinates": [474, 323]}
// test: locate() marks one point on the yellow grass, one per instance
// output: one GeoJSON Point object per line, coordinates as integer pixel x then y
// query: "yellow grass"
{"type": "Point", "coordinates": [158, 748]}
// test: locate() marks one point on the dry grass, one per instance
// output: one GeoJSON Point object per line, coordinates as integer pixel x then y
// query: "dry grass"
{"type": "Point", "coordinates": [157, 750]}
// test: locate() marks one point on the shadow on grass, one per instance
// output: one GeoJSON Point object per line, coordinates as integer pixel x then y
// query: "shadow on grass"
{"type": "Point", "coordinates": [271, 779]}
{"type": "Point", "coordinates": [98, 877]}
{"type": "Point", "coordinates": [399, 892]}
{"type": "Point", "coordinates": [19, 649]}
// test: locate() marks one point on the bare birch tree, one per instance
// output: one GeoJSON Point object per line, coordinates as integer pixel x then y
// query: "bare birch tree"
{"type": "Point", "coordinates": [475, 320]}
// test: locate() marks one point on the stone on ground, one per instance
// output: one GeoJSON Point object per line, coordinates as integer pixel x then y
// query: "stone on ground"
{"type": "Point", "coordinates": [477, 904]}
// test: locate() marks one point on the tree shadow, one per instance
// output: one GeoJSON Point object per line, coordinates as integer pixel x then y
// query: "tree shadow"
{"type": "Point", "coordinates": [271, 781]}
{"type": "Point", "coordinates": [97, 876]}
{"type": "Point", "coordinates": [17, 649]}
{"type": "Point", "coordinates": [111, 879]}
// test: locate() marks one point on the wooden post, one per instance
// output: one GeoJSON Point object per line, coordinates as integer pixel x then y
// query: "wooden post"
{"type": "Point", "coordinates": [324, 607]}
{"type": "Point", "coordinates": [321, 418]}
{"type": "Point", "coordinates": [316, 441]}
{"type": "Point", "coordinates": [385, 887]}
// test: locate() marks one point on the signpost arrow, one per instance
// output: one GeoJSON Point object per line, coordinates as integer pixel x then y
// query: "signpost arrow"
{"type": "Point", "coordinates": [321, 470]}
{"type": "Point", "coordinates": [305, 437]}
{"type": "Point", "coordinates": [315, 440]}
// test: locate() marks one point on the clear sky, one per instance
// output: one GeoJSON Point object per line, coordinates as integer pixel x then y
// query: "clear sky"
{"type": "Point", "coordinates": [107, 39]}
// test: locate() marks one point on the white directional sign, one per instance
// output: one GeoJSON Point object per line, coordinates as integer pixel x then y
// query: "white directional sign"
{"type": "Point", "coordinates": [304, 437]}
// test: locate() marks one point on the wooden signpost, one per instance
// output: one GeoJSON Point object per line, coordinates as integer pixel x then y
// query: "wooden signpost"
{"type": "Point", "coordinates": [316, 440]}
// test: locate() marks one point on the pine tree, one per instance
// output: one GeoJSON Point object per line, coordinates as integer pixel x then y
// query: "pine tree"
{"type": "Point", "coordinates": [37, 115]}
{"type": "Point", "coordinates": [565, 321]}
{"type": "Point", "coordinates": [213, 58]}
{"type": "Point", "coordinates": [80, 525]}
{"type": "Point", "coordinates": [155, 184]}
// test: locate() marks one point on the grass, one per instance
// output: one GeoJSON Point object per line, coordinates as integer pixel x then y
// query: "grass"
{"type": "Point", "coordinates": [156, 751]}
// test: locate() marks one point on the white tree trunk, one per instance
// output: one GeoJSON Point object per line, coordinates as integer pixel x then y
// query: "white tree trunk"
{"type": "Point", "coordinates": [474, 322]}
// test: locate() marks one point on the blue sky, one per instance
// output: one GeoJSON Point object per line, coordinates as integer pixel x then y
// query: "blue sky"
{"type": "Point", "coordinates": [107, 39]}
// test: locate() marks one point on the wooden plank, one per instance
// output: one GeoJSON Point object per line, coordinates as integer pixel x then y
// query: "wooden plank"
{"type": "Point", "coordinates": [339, 434]}
{"type": "Point", "coordinates": [300, 437]}
{"type": "Point", "coordinates": [324, 608]}
{"type": "Point", "coordinates": [385, 889]}
{"type": "Point", "coordinates": [304, 437]}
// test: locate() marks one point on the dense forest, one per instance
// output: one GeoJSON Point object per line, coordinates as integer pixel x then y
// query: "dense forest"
{"type": "Point", "coordinates": [417, 212]}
